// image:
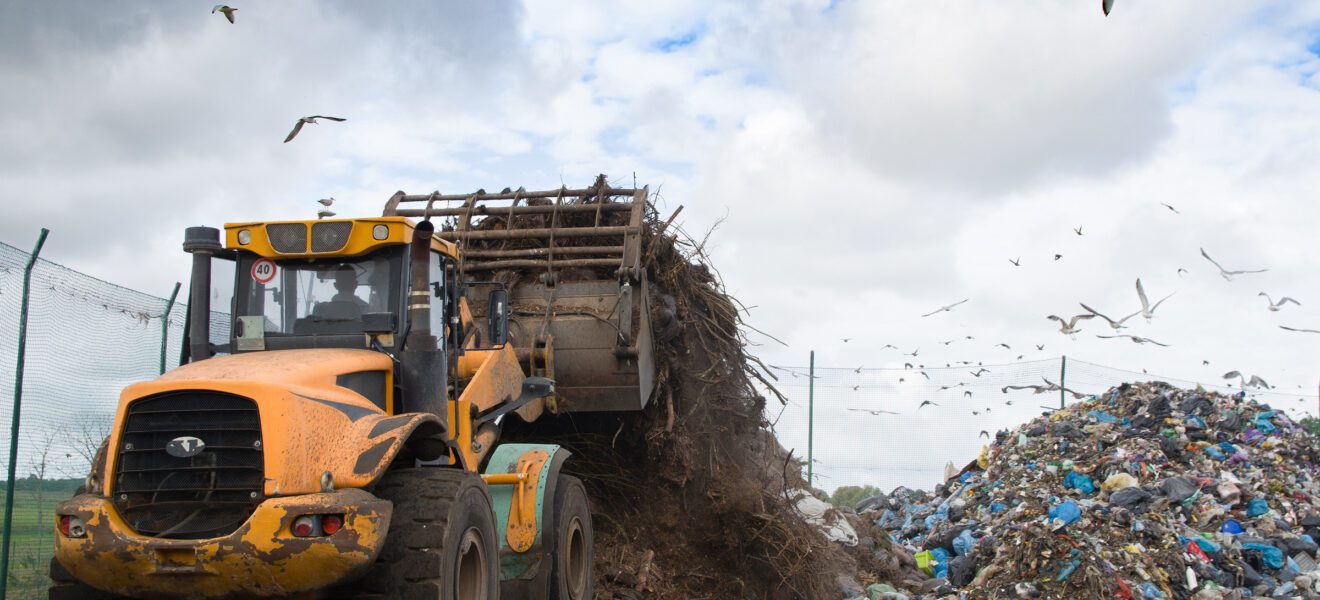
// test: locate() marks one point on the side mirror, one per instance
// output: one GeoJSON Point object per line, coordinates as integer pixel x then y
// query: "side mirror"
{"type": "Point", "coordinates": [497, 317]}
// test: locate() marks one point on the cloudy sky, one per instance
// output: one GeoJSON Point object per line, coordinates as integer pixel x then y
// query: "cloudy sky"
{"type": "Point", "coordinates": [866, 162]}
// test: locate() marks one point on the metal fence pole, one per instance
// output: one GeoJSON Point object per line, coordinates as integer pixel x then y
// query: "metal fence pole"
{"type": "Point", "coordinates": [165, 328]}
{"type": "Point", "coordinates": [1063, 380]}
{"type": "Point", "coordinates": [18, 402]}
{"type": "Point", "coordinates": [811, 416]}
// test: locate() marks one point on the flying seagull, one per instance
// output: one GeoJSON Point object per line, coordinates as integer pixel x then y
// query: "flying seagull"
{"type": "Point", "coordinates": [1040, 347]}
{"type": "Point", "coordinates": [888, 346]}
{"type": "Point", "coordinates": [1225, 273]}
{"type": "Point", "coordinates": [856, 387]}
{"type": "Point", "coordinates": [1298, 329]}
{"type": "Point", "coordinates": [948, 342]}
{"type": "Point", "coordinates": [1078, 230]}
{"type": "Point", "coordinates": [985, 434]}
{"type": "Point", "coordinates": [925, 403]}
{"type": "Point", "coordinates": [1037, 389]}
{"type": "Point", "coordinates": [1255, 380]}
{"type": "Point", "coordinates": [305, 120]}
{"type": "Point", "coordinates": [1175, 211]}
{"type": "Point", "coordinates": [1058, 256]}
{"type": "Point", "coordinates": [1181, 271]}
{"type": "Point", "coordinates": [1117, 325]}
{"type": "Point", "coordinates": [1004, 345]}
{"type": "Point", "coordinates": [1275, 306]}
{"type": "Point", "coordinates": [846, 340]}
{"type": "Point", "coordinates": [876, 412]}
{"type": "Point", "coordinates": [857, 370]}
{"type": "Point", "coordinates": [1147, 309]}
{"type": "Point", "coordinates": [967, 393]}
{"type": "Point", "coordinates": [1017, 262]}
{"type": "Point", "coordinates": [227, 11]}
{"type": "Point", "coordinates": [913, 353]}
{"type": "Point", "coordinates": [980, 372]}
{"type": "Point", "coordinates": [1106, 6]}
{"type": "Point", "coordinates": [1134, 338]}
{"type": "Point", "coordinates": [1069, 327]}
{"type": "Point", "coordinates": [947, 308]}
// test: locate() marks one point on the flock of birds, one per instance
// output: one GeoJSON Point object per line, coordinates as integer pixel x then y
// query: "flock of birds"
{"type": "Point", "coordinates": [228, 13]}
{"type": "Point", "coordinates": [1071, 326]}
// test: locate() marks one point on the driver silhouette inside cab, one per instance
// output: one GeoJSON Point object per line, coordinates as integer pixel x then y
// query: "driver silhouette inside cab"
{"type": "Point", "coordinates": [345, 305]}
{"type": "Point", "coordinates": [346, 284]}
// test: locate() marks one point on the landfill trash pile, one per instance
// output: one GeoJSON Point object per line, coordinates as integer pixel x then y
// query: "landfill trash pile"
{"type": "Point", "coordinates": [1148, 491]}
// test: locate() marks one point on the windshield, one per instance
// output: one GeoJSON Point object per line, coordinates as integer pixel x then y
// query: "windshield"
{"type": "Point", "coordinates": [320, 296]}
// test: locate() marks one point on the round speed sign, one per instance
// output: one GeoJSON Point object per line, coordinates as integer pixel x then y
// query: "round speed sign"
{"type": "Point", "coordinates": [263, 271]}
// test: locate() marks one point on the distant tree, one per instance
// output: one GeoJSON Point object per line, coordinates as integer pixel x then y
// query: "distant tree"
{"type": "Point", "coordinates": [1311, 425]}
{"type": "Point", "coordinates": [850, 495]}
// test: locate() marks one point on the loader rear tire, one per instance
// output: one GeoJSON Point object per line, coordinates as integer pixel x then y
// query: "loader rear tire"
{"type": "Point", "coordinates": [573, 550]}
{"type": "Point", "coordinates": [441, 543]}
{"type": "Point", "coordinates": [63, 586]}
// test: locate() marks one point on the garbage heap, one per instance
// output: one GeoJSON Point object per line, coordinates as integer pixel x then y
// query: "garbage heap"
{"type": "Point", "coordinates": [1148, 491]}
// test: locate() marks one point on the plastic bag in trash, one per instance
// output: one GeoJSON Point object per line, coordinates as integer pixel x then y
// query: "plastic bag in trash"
{"type": "Point", "coordinates": [1064, 514]}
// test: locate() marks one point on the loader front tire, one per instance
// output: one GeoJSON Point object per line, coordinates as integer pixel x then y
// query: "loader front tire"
{"type": "Point", "coordinates": [441, 543]}
{"type": "Point", "coordinates": [573, 542]}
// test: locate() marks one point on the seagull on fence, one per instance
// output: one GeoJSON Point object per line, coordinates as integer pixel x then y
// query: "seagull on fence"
{"type": "Point", "coordinates": [1135, 339]}
{"type": "Point", "coordinates": [980, 372]}
{"type": "Point", "coordinates": [876, 412]}
{"type": "Point", "coordinates": [1275, 306]}
{"type": "Point", "coordinates": [946, 308]}
{"type": "Point", "coordinates": [304, 121]}
{"type": "Point", "coordinates": [1175, 211]}
{"type": "Point", "coordinates": [925, 403]}
{"type": "Point", "coordinates": [1225, 273]}
{"type": "Point", "coordinates": [1148, 309]}
{"type": "Point", "coordinates": [1255, 380]}
{"type": "Point", "coordinates": [1297, 329]}
{"type": "Point", "coordinates": [1069, 327]}
{"type": "Point", "coordinates": [227, 11]}
{"type": "Point", "coordinates": [1116, 325]}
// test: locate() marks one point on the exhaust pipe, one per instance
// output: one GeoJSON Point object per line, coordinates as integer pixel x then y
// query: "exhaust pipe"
{"type": "Point", "coordinates": [423, 369]}
{"type": "Point", "coordinates": [202, 243]}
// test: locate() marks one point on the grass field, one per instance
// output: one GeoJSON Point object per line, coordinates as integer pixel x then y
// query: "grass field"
{"type": "Point", "coordinates": [31, 540]}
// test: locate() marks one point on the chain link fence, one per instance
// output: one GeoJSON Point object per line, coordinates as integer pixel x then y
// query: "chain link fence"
{"type": "Point", "coordinates": [88, 338]}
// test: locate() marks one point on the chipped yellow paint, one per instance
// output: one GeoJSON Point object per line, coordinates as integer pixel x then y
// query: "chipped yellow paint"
{"type": "Point", "coordinates": [305, 428]}
{"type": "Point", "coordinates": [261, 559]}
{"type": "Point", "coordinates": [497, 378]}
{"type": "Point", "coordinates": [361, 240]}
{"type": "Point", "coordinates": [521, 531]}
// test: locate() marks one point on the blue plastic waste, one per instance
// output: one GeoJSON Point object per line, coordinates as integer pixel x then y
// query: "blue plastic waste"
{"type": "Point", "coordinates": [1205, 545]}
{"type": "Point", "coordinates": [1257, 507]}
{"type": "Point", "coordinates": [1102, 417]}
{"type": "Point", "coordinates": [1149, 591]}
{"type": "Point", "coordinates": [998, 507]}
{"type": "Point", "coordinates": [1231, 527]}
{"type": "Point", "coordinates": [1272, 557]}
{"type": "Point", "coordinates": [941, 566]}
{"type": "Point", "coordinates": [1263, 422]}
{"type": "Point", "coordinates": [1066, 512]}
{"type": "Point", "coordinates": [964, 543]}
{"type": "Point", "coordinates": [1079, 482]}
{"type": "Point", "coordinates": [1194, 422]}
{"type": "Point", "coordinates": [1214, 452]}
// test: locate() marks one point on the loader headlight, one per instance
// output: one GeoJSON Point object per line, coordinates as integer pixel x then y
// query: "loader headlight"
{"type": "Point", "coordinates": [244, 236]}
{"type": "Point", "coordinates": [380, 232]}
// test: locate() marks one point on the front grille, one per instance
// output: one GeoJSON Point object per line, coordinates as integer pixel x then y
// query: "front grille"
{"type": "Point", "coordinates": [209, 494]}
{"type": "Point", "coordinates": [288, 238]}
{"type": "Point", "coordinates": [329, 237]}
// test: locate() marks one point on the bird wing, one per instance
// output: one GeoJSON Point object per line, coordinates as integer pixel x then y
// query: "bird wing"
{"type": "Point", "coordinates": [1299, 330]}
{"type": "Point", "coordinates": [216, 7]}
{"type": "Point", "coordinates": [1257, 381]}
{"type": "Point", "coordinates": [1055, 318]}
{"type": "Point", "coordinates": [1106, 6]}
{"type": "Point", "coordinates": [325, 117]}
{"type": "Point", "coordinates": [957, 303]}
{"type": "Point", "coordinates": [1124, 319]}
{"type": "Point", "coordinates": [1157, 304]}
{"type": "Point", "coordinates": [1212, 261]}
{"type": "Point", "coordinates": [296, 128]}
{"type": "Point", "coordinates": [932, 312]}
{"type": "Point", "coordinates": [1287, 299]}
{"type": "Point", "coordinates": [1109, 337]}
{"type": "Point", "coordinates": [1096, 313]}
{"type": "Point", "coordinates": [229, 14]}
{"type": "Point", "coordinates": [1245, 272]}
{"type": "Point", "coordinates": [1072, 322]}
{"type": "Point", "coordinates": [1154, 342]}
{"type": "Point", "coordinates": [1141, 293]}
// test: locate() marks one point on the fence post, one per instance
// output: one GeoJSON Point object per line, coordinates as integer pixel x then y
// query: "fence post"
{"type": "Point", "coordinates": [18, 402]}
{"type": "Point", "coordinates": [164, 330]}
{"type": "Point", "coordinates": [1063, 380]}
{"type": "Point", "coordinates": [811, 417]}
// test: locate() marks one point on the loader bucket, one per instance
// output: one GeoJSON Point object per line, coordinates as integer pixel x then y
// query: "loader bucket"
{"type": "Point", "coordinates": [571, 260]}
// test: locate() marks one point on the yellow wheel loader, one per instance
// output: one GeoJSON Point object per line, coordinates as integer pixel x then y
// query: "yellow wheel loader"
{"type": "Point", "coordinates": [344, 440]}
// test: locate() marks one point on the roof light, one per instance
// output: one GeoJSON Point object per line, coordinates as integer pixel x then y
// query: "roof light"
{"type": "Point", "coordinates": [380, 231]}
{"type": "Point", "coordinates": [244, 236]}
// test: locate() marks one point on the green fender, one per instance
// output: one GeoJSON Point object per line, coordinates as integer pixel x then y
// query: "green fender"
{"type": "Point", "coordinates": [504, 459]}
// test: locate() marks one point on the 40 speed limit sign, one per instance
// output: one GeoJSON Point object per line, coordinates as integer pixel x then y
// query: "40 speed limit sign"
{"type": "Point", "coordinates": [263, 271]}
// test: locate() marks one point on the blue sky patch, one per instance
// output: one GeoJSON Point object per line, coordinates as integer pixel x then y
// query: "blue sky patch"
{"type": "Point", "coordinates": [680, 41]}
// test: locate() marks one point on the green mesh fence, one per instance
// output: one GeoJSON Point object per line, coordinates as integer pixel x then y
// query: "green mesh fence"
{"type": "Point", "coordinates": [86, 340]}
